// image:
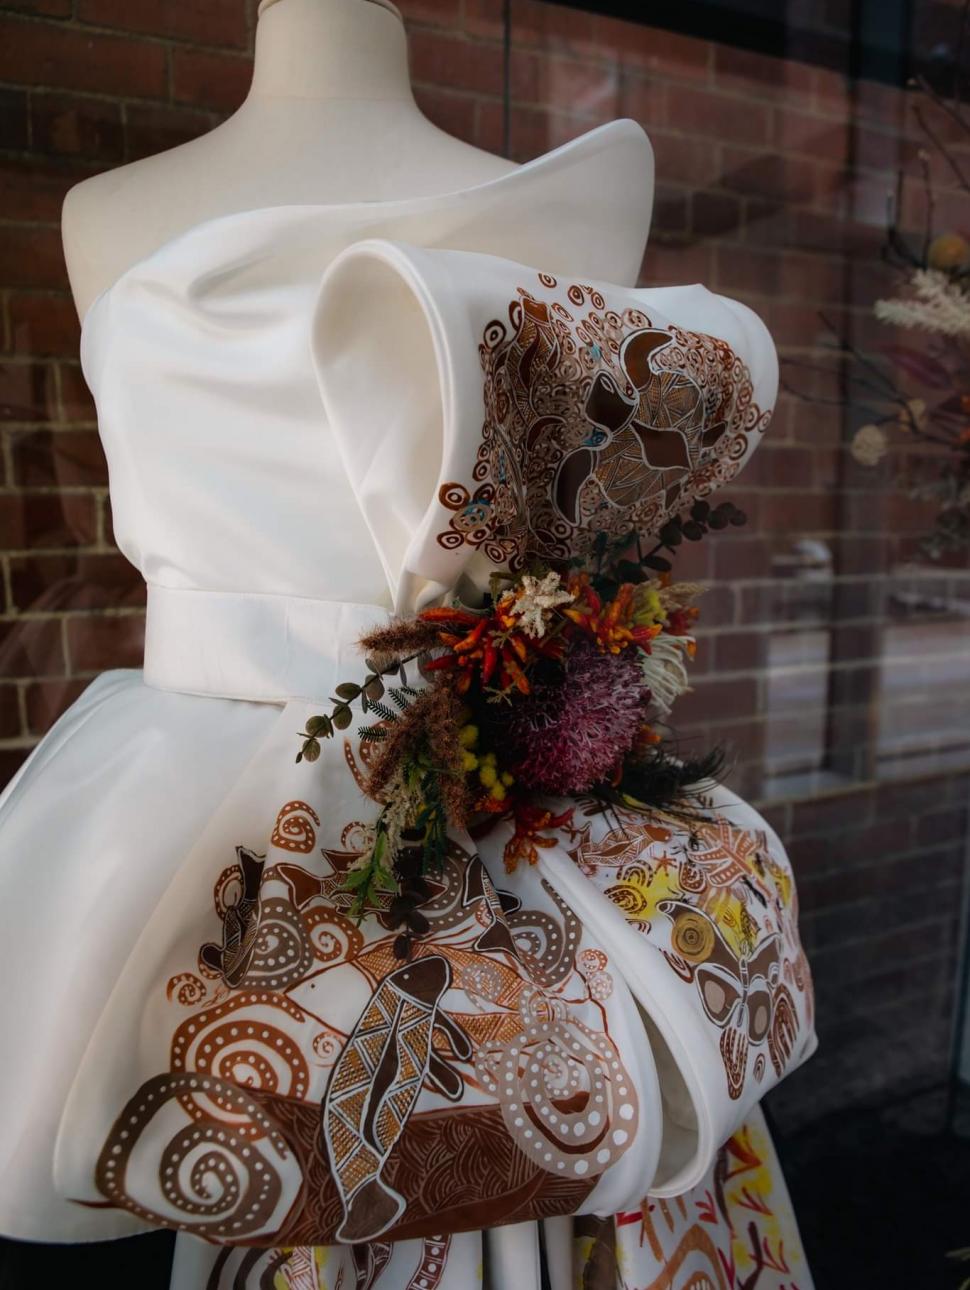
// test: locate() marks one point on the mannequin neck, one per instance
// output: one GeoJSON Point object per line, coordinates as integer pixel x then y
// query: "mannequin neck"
{"type": "Point", "coordinates": [330, 49]}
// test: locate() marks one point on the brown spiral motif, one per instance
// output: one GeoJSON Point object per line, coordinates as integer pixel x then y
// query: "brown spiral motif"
{"type": "Point", "coordinates": [453, 496]}
{"type": "Point", "coordinates": [187, 989]}
{"type": "Point", "coordinates": [221, 1180]}
{"type": "Point", "coordinates": [282, 953]}
{"type": "Point", "coordinates": [547, 279]}
{"type": "Point", "coordinates": [546, 946]}
{"type": "Point", "coordinates": [566, 1099]}
{"type": "Point", "coordinates": [693, 937]}
{"type": "Point", "coordinates": [590, 961]}
{"type": "Point", "coordinates": [630, 894]}
{"type": "Point", "coordinates": [238, 1049]}
{"type": "Point", "coordinates": [331, 934]}
{"type": "Point", "coordinates": [327, 1046]}
{"type": "Point", "coordinates": [494, 334]}
{"type": "Point", "coordinates": [293, 830]}
{"type": "Point", "coordinates": [759, 1068]}
{"type": "Point", "coordinates": [575, 295]}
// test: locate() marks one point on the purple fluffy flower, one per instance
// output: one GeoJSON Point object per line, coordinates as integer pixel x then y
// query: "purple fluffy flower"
{"type": "Point", "coordinates": [579, 719]}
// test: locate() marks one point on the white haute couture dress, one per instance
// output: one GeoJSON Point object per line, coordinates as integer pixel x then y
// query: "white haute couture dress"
{"type": "Point", "coordinates": [310, 423]}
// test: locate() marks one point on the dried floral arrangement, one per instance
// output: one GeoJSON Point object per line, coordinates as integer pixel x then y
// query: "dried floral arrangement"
{"type": "Point", "coordinates": [556, 686]}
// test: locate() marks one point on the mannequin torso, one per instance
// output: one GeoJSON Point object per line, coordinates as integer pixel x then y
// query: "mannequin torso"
{"type": "Point", "coordinates": [330, 118]}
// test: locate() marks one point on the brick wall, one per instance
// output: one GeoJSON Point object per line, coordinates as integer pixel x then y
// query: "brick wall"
{"type": "Point", "coordinates": [843, 701]}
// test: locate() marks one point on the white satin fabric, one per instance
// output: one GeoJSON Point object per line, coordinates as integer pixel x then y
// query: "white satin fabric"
{"type": "Point", "coordinates": [283, 396]}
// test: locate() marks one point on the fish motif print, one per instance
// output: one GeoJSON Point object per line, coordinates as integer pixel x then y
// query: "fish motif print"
{"type": "Point", "coordinates": [375, 1085]}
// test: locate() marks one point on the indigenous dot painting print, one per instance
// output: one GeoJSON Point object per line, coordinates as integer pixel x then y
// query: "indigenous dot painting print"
{"type": "Point", "coordinates": [460, 954]}
{"type": "Point", "coordinates": [724, 912]}
{"type": "Point", "coordinates": [596, 421]}
{"type": "Point", "coordinates": [313, 1127]}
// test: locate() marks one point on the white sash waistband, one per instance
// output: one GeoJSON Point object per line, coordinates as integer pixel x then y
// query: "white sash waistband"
{"type": "Point", "coordinates": [237, 645]}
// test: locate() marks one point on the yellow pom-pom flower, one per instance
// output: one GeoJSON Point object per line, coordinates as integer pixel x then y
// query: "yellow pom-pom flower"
{"type": "Point", "coordinates": [468, 736]}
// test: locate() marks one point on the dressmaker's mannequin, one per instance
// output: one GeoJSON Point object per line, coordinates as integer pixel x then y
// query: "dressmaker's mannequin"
{"type": "Point", "coordinates": [330, 117]}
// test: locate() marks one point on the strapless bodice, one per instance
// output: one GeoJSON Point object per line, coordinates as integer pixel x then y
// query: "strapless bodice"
{"type": "Point", "coordinates": [224, 474]}
{"type": "Point", "coordinates": [282, 402]}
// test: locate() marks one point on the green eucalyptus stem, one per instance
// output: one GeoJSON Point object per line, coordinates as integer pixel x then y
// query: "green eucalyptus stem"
{"type": "Point", "coordinates": [325, 725]}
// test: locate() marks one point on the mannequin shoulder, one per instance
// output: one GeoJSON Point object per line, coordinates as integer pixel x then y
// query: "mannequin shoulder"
{"type": "Point", "coordinates": [113, 220]}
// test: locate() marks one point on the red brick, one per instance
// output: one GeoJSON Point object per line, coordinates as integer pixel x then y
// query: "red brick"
{"type": "Point", "coordinates": [489, 125]}
{"type": "Point", "coordinates": [34, 53]}
{"type": "Point", "coordinates": [36, 520]}
{"type": "Point", "coordinates": [151, 128]}
{"type": "Point", "coordinates": [46, 700]}
{"type": "Point", "coordinates": [208, 79]}
{"type": "Point", "coordinates": [11, 725]}
{"type": "Point", "coordinates": [742, 557]}
{"type": "Point", "coordinates": [785, 466]}
{"type": "Point", "coordinates": [834, 812]}
{"type": "Point", "coordinates": [715, 214]}
{"type": "Point", "coordinates": [645, 100]}
{"type": "Point", "coordinates": [11, 759]}
{"type": "Point", "coordinates": [722, 116]}
{"type": "Point", "coordinates": [714, 700]}
{"type": "Point", "coordinates": [216, 22]}
{"type": "Point", "coordinates": [454, 62]}
{"type": "Point", "coordinates": [743, 741]}
{"type": "Point", "coordinates": [794, 514]}
{"type": "Point", "coordinates": [938, 827]}
{"type": "Point", "coordinates": [799, 324]}
{"type": "Point", "coordinates": [14, 119]}
{"type": "Point", "coordinates": [553, 27]}
{"type": "Point", "coordinates": [561, 84]}
{"type": "Point", "coordinates": [55, 583]}
{"type": "Point", "coordinates": [450, 111]}
{"type": "Point", "coordinates": [717, 606]}
{"type": "Point", "coordinates": [97, 643]}
{"type": "Point", "coordinates": [676, 263]}
{"type": "Point", "coordinates": [740, 651]}
{"type": "Point", "coordinates": [662, 53]}
{"type": "Point", "coordinates": [43, 325]}
{"type": "Point", "coordinates": [26, 391]}
{"type": "Point", "coordinates": [911, 799]}
{"type": "Point", "coordinates": [441, 13]}
{"type": "Point", "coordinates": [76, 401]}
{"type": "Point", "coordinates": [784, 178]}
{"type": "Point", "coordinates": [43, 8]}
{"type": "Point", "coordinates": [33, 190]}
{"type": "Point", "coordinates": [670, 210]}
{"type": "Point", "coordinates": [745, 271]}
{"type": "Point", "coordinates": [72, 126]}
{"type": "Point", "coordinates": [31, 647]}
{"type": "Point", "coordinates": [813, 277]}
{"type": "Point", "coordinates": [485, 18]}
{"type": "Point", "coordinates": [64, 458]}
{"type": "Point", "coordinates": [762, 75]}
{"type": "Point", "coordinates": [32, 257]}
{"type": "Point", "coordinates": [800, 131]}
{"type": "Point", "coordinates": [686, 159]}
{"type": "Point", "coordinates": [535, 131]}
